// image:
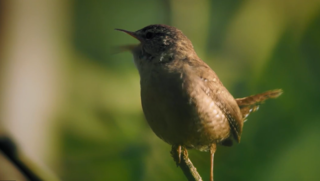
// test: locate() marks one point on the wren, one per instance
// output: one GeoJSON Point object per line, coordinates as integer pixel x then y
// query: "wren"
{"type": "Point", "coordinates": [183, 100]}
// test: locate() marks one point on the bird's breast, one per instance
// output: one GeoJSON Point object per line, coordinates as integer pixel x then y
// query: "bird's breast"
{"type": "Point", "coordinates": [179, 111]}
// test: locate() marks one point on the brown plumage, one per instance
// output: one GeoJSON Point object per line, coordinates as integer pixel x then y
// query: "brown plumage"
{"type": "Point", "coordinates": [182, 98]}
{"type": "Point", "coordinates": [251, 104]}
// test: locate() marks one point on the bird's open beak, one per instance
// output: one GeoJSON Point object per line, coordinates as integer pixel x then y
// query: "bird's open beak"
{"type": "Point", "coordinates": [133, 34]}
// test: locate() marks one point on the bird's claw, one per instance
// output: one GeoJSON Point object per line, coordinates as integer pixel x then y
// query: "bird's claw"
{"type": "Point", "coordinates": [176, 154]}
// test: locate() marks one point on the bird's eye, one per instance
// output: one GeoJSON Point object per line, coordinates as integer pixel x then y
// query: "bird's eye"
{"type": "Point", "coordinates": [149, 35]}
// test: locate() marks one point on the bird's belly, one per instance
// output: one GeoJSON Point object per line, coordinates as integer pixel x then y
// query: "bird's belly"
{"type": "Point", "coordinates": [178, 118]}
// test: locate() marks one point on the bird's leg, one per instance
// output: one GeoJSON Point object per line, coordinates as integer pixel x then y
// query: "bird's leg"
{"type": "Point", "coordinates": [212, 151]}
{"type": "Point", "coordinates": [179, 153]}
{"type": "Point", "coordinates": [180, 156]}
{"type": "Point", "coordinates": [176, 153]}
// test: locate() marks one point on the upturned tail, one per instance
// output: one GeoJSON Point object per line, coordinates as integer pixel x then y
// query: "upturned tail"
{"type": "Point", "coordinates": [251, 104]}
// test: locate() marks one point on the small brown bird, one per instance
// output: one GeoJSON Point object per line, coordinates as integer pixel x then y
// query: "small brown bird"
{"type": "Point", "coordinates": [183, 100]}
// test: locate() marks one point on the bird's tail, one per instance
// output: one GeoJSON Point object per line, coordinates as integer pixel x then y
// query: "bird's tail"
{"type": "Point", "coordinates": [251, 104]}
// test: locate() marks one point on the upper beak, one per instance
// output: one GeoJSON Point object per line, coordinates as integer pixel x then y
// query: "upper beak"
{"type": "Point", "coordinates": [133, 34]}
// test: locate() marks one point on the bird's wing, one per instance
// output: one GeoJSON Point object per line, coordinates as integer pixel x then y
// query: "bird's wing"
{"type": "Point", "coordinates": [213, 87]}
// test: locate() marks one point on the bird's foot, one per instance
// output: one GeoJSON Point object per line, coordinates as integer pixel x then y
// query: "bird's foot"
{"type": "Point", "coordinates": [176, 153]}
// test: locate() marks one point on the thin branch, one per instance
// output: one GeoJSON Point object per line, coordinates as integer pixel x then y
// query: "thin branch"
{"type": "Point", "coordinates": [180, 156]}
{"type": "Point", "coordinates": [9, 149]}
{"type": "Point", "coordinates": [31, 171]}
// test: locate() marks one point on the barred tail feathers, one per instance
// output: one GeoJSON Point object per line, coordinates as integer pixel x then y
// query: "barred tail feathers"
{"type": "Point", "coordinates": [251, 104]}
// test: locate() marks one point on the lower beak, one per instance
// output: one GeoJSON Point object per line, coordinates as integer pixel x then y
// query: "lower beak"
{"type": "Point", "coordinates": [124, 48]}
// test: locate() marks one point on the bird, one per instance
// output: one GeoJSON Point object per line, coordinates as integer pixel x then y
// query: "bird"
{"type": "Point", "coordinates": [183, 100]}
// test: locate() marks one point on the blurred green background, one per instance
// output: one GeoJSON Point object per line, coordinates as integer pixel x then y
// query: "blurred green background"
{"type": "Point", "coordinates": [74, 105]}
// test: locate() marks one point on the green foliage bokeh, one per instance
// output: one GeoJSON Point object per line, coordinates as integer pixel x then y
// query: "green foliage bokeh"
{"type": "Point", "coordinates": [253, 46]}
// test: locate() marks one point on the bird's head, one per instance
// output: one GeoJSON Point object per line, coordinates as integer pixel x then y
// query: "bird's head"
{"type": "Point", "coordinates": [157, 40]}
